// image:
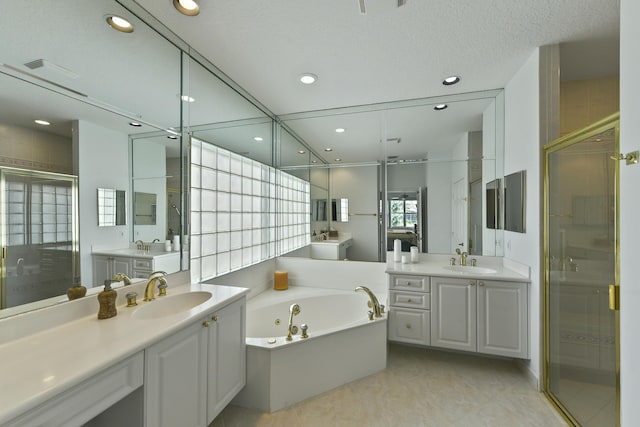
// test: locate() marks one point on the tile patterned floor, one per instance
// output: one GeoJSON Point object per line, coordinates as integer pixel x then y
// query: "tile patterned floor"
{"type": "Point", "coordinates": [420, 387]}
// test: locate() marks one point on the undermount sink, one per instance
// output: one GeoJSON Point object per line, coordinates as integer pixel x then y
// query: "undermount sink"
{"type": "Point", "coordinates": [169, 305]}
{"type": "Point", "coordinates": [470, 269]}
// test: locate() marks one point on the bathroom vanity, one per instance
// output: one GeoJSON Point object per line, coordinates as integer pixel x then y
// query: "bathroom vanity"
{"type": "Point", "coordinates": [180, 357]}
{"type": "Point", "coordinates": [477, 309]}
{"type": "Point", "coordinates": [332, 248]}
{"type": "Point", "coordinates": [132, 262]}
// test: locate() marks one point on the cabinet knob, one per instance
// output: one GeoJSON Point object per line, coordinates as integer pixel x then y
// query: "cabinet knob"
{"type": "Point", "coordinates": [205, 324]}
{"type": "Point", "coordinates": [472, 283]}
{"type": "Point", "coordinates": [215, 318]}
{"type": "Point", "coordinates": [408, 325]}
{"type": "Point", "coordinates": [409, 300]}
{"type": "Point", "coordinates": [481, 283]}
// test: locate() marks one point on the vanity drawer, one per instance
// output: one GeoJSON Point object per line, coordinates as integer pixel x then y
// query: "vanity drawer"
{"type": "Point", "coordinates": [410, 299]}
{"type": "Point", "coordinates": [142, 264]}
{"type": "Point", "coordinates": [409, 283]}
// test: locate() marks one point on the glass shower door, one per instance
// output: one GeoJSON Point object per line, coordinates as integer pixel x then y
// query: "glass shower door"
{"type": "Point", "coordinates": [39, 235]}
{"type": "Point", "coordinates": [580, 263]}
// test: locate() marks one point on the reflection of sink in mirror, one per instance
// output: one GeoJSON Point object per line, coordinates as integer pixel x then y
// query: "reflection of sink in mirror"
{"type": "Point", "coordinates": [173, 304]}
{"type": "Point", "coordinates": [470, 269]}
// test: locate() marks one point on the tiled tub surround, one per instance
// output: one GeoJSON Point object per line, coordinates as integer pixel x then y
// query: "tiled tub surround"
{"type": "Point", "coordinates": [343, 345]}
{"type": "Point", "coordinates": [63, 346]}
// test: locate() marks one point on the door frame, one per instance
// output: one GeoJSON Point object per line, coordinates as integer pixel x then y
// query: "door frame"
{"type": "Point", "coordinates": [610, 122]}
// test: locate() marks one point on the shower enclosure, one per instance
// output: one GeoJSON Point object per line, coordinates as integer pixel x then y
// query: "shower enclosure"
{"type": "Point", "coordinates": [581, 375]}
{"type": "Point", "coordinates": [39, 235]}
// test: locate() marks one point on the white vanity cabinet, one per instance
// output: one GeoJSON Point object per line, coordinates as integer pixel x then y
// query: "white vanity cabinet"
{"type": "Point", "coordinates": [410, 309]}
{"type": "Point", "coordinates": [192, 375]}
{"type": "Point", "coordinates": [105, 267]}
{"type": "Point", "coordinates": [484, 316]}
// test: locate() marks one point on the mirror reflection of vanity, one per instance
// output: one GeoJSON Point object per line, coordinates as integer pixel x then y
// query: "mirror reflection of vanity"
{"type": "Point", "coordinates": [95, 118]}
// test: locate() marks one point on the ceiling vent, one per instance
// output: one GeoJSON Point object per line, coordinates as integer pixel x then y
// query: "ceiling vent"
{"type": "Point", "coordinates": [50, 66]}
{"type": "Point", "coordinates": [394, 140]}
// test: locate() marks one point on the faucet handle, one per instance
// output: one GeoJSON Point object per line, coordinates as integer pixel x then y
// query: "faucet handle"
{"type": "Point", "coordinates": [473, 262]}
{"type": "Point", "coordinates": [382, 308]}
{"type": "Point", "coordinates": [370, 314]}
{"type": "Point", "coordinates": [131, 299]}
{"type": "Point", "coordinates": [162, 288]}
{"type": "Point", "coordinates": [452, 261]}
{"type": "Point", "coordinates": [304, 328]}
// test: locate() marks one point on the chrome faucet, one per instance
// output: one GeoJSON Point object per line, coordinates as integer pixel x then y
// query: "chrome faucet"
{"type": "Point", "coordinates": [375, 305]}
{"type": "Point", "coordinates": [149, 291]}
{"type": "Point", "coordinates": [294, 310]}
{"type": "Point", "coordinates": [463, 257]}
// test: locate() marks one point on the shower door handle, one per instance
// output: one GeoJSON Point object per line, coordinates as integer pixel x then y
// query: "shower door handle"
{"type": "Point", "coordinates": [614, 297]}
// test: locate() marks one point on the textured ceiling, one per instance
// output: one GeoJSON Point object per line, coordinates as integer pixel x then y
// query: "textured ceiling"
{"type": "Point", "coordinates": [389, 53]}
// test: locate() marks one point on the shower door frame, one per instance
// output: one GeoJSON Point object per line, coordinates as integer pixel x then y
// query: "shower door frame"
{"type": "Point", "coordinates": [610, 122]}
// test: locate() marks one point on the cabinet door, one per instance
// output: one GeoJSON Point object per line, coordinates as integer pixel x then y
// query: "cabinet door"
{"type": "Point", "coordinates": [503, 319]}
{"type": "Point", "coordinates": [227, 357]}
{"type": "Point", "coordinates": [176, 380]}
{"type": "Point", "coordinates": [121, 265]}
{"type": "Point", "coordinates": [409, 326]}
{"type": "Point", "coordinates": [453, 313]}
{"type": "Point", "coordinates": [102, 267]}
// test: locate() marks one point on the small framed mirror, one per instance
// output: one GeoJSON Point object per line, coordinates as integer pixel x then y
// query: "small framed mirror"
{"type": "Point", "coordinates": [112, 207]}
{"type": "Point", "coordinates": [145, 205]}
{"type": "Point", "coordinates": [514, 201]}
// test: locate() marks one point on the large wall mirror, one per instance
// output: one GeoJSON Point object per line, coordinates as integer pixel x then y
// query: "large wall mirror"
{"type": "Point", "coordinates": [409, 171]}
{"type": "Point", "coordinates": [99, 97]}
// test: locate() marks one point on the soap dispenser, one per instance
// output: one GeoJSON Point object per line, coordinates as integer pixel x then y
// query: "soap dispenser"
{"type": "Point", "coordinates": [107, 300]}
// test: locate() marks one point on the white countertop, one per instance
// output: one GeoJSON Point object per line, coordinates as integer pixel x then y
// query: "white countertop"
{"type": "Point", "coordinates": [37, 367]}
{"type": "Point", "coordinates": [430, 265]}
{"type": "Point", "coordinates": [133, 253]}
{"type": "Point", "coordinates": [342, 238]}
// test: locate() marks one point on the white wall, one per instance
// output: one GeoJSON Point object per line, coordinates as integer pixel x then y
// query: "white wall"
{"type": "Point", "coordinates": [522, 152]}
{"type": "Point", "coordinates": [629, 209]}
{"type": "Point", "coordinates": [102, 161]}
{"type": "Point", "coordinates": [406, 177]}
{"type": "Point", "coordinates": [359, 185]}
{"type": "Point", "coordinates": [150, 163]}
{"type": "Point", "coordinates": [439, 207]}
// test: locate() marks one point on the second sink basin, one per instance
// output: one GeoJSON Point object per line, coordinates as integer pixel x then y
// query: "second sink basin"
{"type": "Point", "coordinates": [169, 305]}
{"type": "Point", "coordinates": [470, 269]}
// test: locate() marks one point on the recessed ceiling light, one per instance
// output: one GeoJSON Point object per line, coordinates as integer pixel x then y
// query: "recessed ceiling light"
{"type": "Point", "coordinates": [328, 149]}
{"type": "Point", "coordinates": [119, 23]}
{"type": "Point", "coordinates": [440, 107]}
{"type": "Point", "coordinates": [301, 151]}
{"type": "Point", "coordinates": [308, 78]}
{"type": "Point", "coordinates": [338, 159]}
{"type": "Point", "coordinates": [187, 98]}
{"type": "Point", "coordinates": [451, 80]}
{"type": "Point", "coordinates": [187, 7]}
{"type": "Point", "coordinates": [172, 137]}
{"type": "Point", "coordinates": [314, 161]}
{"type": "Point", "coordinates": [135, 124]}
{"type": "Point", "coordinates": [340, 130]}
{"type": "Point", "coordinates": [42, 122]}
{"type": "Point", "coordinates": [258, 138]}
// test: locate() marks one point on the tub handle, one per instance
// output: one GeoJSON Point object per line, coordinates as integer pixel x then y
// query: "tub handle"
{"type": "Point", "coordinates": [304, 328]}
{"type": "Point", "coordinates": [370, 313]}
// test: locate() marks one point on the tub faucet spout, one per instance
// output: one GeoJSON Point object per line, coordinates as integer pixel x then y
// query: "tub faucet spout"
{"type": "Point", "coordinates": [375, 305]}
{"type": "Point", "coordinates": [294, 310]}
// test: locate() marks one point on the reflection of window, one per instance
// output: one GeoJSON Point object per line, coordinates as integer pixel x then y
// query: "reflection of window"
{"type": "Point", "coordinates": [39, 211]}
{"type": "Point", "coordinates": [403, 213]}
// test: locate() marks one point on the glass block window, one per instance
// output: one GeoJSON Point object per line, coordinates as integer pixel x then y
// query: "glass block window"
{"type": "Point", "coordinates": [234, 201]}
{"type": "Point", "coordinates": [39, 211]}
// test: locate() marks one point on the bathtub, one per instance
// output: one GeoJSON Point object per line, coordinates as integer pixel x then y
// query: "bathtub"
{"type": "Point", "coordinates": [343, 345]}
